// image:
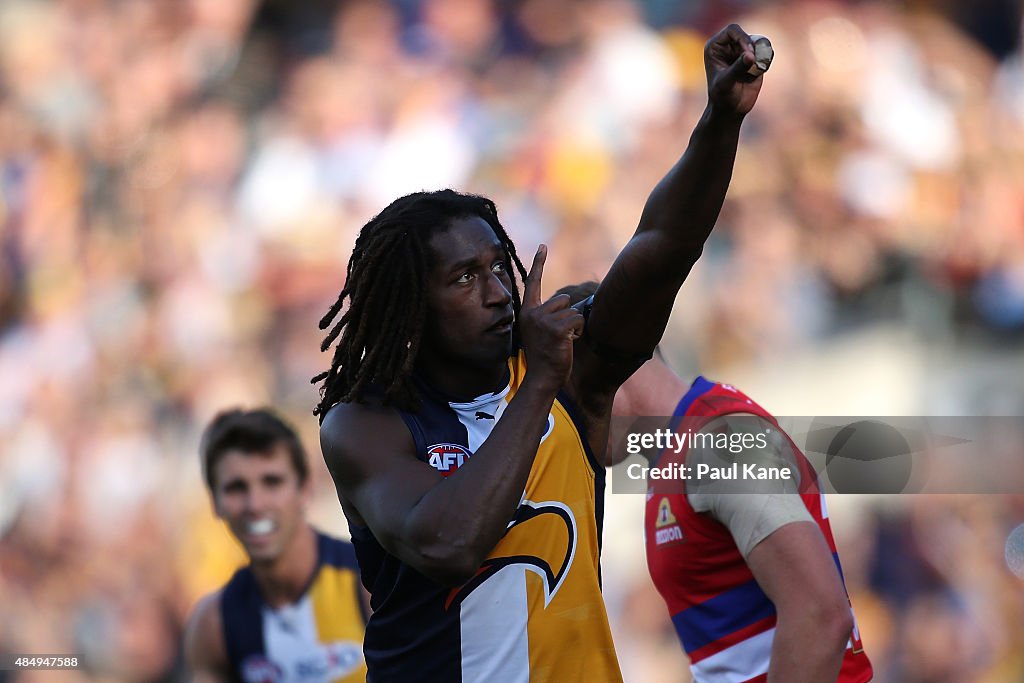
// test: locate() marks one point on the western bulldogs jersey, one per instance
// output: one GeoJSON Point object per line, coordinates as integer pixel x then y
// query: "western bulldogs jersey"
{"type": "Point", "coordinates": [534, 610]}
{"type": "Point", "coordinates": [316, 639]}
{"type": "Point", "coordinates": [723, 619]}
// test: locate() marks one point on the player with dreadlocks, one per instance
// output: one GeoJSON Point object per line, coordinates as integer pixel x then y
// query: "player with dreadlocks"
{"type": "Point", "coordinates": [456, 417]}
{"type": "Point", "coordinates": [388, 306]}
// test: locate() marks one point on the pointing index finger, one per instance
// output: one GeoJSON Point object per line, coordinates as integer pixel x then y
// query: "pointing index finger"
{"type": "Point", "coordinates": [531, 293]}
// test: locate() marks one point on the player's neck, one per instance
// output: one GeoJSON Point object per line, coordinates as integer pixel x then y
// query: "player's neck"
{"type": "Point", "coordinates": [659, 390]}
{"type": "Point", "coordinates": [464, 383]}
{"type": "Point", "coordinates": [285, 579]}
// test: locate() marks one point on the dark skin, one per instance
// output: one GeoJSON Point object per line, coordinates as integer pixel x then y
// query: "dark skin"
{"type": "Point", "coordinates": [445, 527]}
{"type": "Point", "coordinates": [461, 355]}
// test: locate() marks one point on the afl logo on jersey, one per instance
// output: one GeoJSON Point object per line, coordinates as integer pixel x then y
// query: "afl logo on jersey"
{"type": "Point", "coordinates": [447, 457]}
{"type": "Point", "coordinates": [259, 669]}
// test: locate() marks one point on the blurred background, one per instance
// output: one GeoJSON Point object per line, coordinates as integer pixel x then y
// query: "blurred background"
{"type": "Point", "coordinates": [181, 182]}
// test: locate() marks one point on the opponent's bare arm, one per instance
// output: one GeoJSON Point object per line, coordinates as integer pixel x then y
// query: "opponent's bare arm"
{"type": "Point", "coordinates": [206, 654]}
{"type": "Point", "coordinates": [795, 569]}
{"type": "Point", "coordinates": [632, 305]}
{"type": "Point", "coordinates": [444, 527]}
{"type": "Point", "coordinates": [784, 548]}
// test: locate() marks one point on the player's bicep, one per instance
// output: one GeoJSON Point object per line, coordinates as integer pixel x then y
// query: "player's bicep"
{"type": "Point", "coordinates": [732, 454]}
{"type": "Point", "coordinates": [599, 368]}
{"type": "Point", "coordinates": [752, 517]}
{"type": "Point", "coordinates": [741, 453]}
{"type": "Point", "coordinates": [795, 569]}
{"type": "Point", "coordinates": [632, 305]}
{"type": "Point", "coordinates": [204, 647]}
{"type": "Point", "coordinates": [370, 455]}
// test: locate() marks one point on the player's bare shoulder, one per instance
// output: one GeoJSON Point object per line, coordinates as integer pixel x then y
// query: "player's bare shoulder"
{"type": "Point", "coordinates": [360, 441]}
{"type": "Point", "coordinates": [206, 652]}
{"type": "Point", "coordinates": [348, 428]}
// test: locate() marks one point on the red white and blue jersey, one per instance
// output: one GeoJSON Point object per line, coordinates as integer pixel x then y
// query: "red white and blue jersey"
{"type": "Point", "coordinates": [724, 620]}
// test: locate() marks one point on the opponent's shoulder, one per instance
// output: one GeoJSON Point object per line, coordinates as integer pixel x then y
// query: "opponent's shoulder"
{"type": "Point", "coordinates": [205, 648]}
{"type": "Point", "coordinates": [737, 417]}
{"type": "Point", "coordinates": [712, 397]}
{"type": "Point", "coordinates": [745, 437]}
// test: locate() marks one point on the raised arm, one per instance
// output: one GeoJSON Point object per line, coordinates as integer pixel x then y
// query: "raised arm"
{"type": "Point", "coordinates": [445, 527]}
{"type": "Point", "coordinates": [632, 305]}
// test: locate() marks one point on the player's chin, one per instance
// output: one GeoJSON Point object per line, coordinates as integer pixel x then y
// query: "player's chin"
{"type": "Point", "coordinates": [261, 547]}
{"type": "Point", "coordinates": [499, 348]}
{"type": "Point", "coordinates": [263, 553]}
{"type": "Point", "coordinates": [492, 345]}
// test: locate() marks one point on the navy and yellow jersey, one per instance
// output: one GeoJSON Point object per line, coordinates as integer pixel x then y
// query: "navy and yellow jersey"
{"type": "Point", "coordinates": [534, 610]}
{"type": "Point", "coordinates": [318, 638]}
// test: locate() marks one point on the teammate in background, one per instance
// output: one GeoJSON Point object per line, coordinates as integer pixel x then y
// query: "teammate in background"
{"type": "Point", "coordinates": [752, 580]}
{"type": "Point", "coordinates": [455, 417]}
{"type": "Point", "coordinates": [297, 611]}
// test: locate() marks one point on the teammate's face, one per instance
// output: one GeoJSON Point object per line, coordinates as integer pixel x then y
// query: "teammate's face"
{"type": "Point", "coordinates": [261, 499]}
{"type": "Point", "coordinates": [470, 314]}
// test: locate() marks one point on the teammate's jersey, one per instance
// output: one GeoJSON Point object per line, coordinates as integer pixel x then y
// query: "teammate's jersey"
{"type": "Point", "coordinates": [316, 639]}
{"type": "Point", "coordinates": [724, 620]}
{"type": "Point", "coordinates": [534, 610]}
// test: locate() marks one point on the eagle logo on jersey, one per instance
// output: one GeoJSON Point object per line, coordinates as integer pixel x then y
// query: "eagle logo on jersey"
{"type": "Point", "coordinates": [520, 539]}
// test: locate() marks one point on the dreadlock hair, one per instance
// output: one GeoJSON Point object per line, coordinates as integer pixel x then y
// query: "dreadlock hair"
{"type": "Point", "coordinates": [381, 329]}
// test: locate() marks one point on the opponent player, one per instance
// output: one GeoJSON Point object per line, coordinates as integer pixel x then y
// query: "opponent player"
{"type": "Point", "coordinates": [748, 569]}
{"type": "Point", "coordinates": [455, 418]}
{"type": "Point", "coordinates": [296, 613]}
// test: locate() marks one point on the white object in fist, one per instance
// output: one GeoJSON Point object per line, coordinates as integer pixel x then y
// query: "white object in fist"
{"type": "Point", "coordinates": [763, 54]}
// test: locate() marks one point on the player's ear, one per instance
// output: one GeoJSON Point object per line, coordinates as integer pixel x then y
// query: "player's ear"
{"type": "Point", "coordinates": [306, 492]}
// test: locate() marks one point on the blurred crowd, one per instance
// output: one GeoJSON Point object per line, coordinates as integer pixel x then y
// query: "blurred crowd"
{"type": "Point", "coordinates": [181, 182]}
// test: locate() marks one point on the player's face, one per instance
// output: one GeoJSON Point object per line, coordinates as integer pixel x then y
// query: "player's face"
{"type": "Point", "coordinates": [470, 314]}
{"type": "Point", "coordinates": [261, 499]}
